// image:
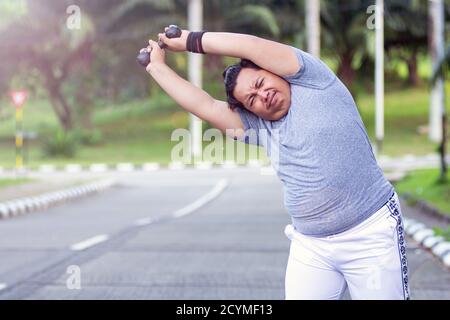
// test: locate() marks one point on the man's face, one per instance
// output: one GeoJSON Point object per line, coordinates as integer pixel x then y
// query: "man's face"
{"type": "Point", "coordinates": [263, 93]}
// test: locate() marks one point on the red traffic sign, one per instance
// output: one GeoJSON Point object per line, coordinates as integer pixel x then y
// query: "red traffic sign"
{"type": "Point", "coordinates": [18, 97]}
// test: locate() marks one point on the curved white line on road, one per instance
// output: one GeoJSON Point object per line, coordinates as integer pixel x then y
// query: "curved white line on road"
{"type": "Point", "coordinates": [143, 222]}
{"type": "Point", "coordinates": [83, 245]}
{"type": "Point", "coordinates": [3, 286]}
{"type": "Point", "coordinates": [218, 188]}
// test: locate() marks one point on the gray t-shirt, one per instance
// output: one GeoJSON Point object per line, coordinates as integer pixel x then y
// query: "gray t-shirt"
{"type": "Point", "coordinates": [321, 152]}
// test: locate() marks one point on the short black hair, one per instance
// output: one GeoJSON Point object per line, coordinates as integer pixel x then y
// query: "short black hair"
{"type": "Point", "coordinates": [230, 75]}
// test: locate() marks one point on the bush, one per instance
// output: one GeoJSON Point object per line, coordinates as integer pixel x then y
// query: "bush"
{"type": "Point", "coordinates": [90, 138]}
{"type": "Point", "coordinates": [61, 143]}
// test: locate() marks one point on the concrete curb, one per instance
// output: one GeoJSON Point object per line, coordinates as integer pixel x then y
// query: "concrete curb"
{"type": "Point", "coordinates": [397, 167]}
{"type": "Point", "coordinates": [397, 172]}
{"type": "Point", "coordinates": [426, 237]}
{"type": "Point", "coordinates": [21, 206]}
{"type": "Point", "coordinates": [131, 167]}
{"type": "Point", "coordinates": [410, 162]}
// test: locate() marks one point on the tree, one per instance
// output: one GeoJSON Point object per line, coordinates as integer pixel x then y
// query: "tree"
{"type": "Point", "coordinates": [52, 54]}
{"type": "Point", "coordinates": [345, 33]}
{"type": "Point", "coordinates": [251, 16]}
{"type": "Point", "coordinates": [406, 33]}
{"type": "Point", "coordinates": [64, 59]}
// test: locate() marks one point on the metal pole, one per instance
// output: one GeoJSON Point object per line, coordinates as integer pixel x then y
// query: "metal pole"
{"type": "Point", "coordinates": [313, 26]}
{"type": "Point", "coordinates": [379, 74]}
{"type": "Point", "coordinates": [195, 22]}
{"type": "Point", "coordinates": [19, 140]}
{"type": "Point", "coordinates": [436, 46]}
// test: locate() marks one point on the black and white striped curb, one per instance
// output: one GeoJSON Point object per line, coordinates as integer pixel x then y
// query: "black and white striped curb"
{"type": "Point", "coordinates": [151, 166]}
{"type": "Point", "coordinates": [264, 167]}
{"type": "Point", "coordinates": [21, 206]}
{"type": "Point", "coordinates": [426, 237]}
{"type": "Point", "coordinates": [399, 165]}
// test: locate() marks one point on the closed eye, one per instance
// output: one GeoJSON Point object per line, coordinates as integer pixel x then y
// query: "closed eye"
{"type": "Point", "coordinates": [258, 85]}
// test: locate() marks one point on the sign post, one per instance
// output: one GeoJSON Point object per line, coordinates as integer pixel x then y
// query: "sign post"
{"type": "Point", "coordinates": [18, 98]}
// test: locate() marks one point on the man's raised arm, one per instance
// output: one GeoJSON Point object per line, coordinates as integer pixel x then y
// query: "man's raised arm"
{"type": "Point", "coordinates": [273, 56]}
{"type": "Point", "coordinates": [270, 55]}
{"type": "Point", "coordinates": [190, 97]}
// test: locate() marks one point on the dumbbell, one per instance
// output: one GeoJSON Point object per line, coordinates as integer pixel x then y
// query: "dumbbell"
{"type": "Point", "coordinates": [172, 32]}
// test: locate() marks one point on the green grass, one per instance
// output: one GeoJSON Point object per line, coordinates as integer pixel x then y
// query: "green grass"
{"type": "Point", "coordinates": [445, 233]}
{"type": "Point", "coordinates": [424, 185]}
{"type": "Point", "coordinates": [405, 111]}
{"type": "Point", "coordinates": [6, 182]}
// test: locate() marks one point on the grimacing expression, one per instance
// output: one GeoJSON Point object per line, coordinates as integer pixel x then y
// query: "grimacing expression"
{"type": "Point", "coordinates": [263, 93]}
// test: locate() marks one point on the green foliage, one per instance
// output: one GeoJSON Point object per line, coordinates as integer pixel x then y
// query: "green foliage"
{"type": "Point", "coordinates": [445, 233]}
{"type": "Point", "coordinates": [344, 24]}
{"type": "Point", "coordinates": [6, 182]}
{"type": "Point", "coordinates": [254, 19]}
{"type": "Point", "coordinates": [92, 137]}
{"type": "Point", "coordinates": [425, 185]}
{"type": "Point", "coordinates": [98, 64]}
{"type": "Point", "coordinates": [11, 9]}
{"type": "Point", "coordinates": [61, 144]}
{"type": "Point", "coordinates": [406, 20]}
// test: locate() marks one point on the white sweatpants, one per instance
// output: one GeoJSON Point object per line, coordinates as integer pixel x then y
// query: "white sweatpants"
{"type": "Point", "coordinates": [369, 259]}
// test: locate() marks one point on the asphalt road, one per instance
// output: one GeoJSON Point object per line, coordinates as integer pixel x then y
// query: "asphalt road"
{"type": "Point", "coordinates": [189, 234]}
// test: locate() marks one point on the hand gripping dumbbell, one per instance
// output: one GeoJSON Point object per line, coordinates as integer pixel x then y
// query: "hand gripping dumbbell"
{"type": "Point", "coordinates": [172, 32]}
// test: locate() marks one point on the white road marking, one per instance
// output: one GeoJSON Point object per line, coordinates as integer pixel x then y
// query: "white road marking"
{"type": "Point", "coordinates": [218, 188]}
{"type": "Point", "coordinates": [143, 222]}
{"type": "Point", "coordinates": [3, 286]}
{"type": "Point", "coordinates": [89, 242]}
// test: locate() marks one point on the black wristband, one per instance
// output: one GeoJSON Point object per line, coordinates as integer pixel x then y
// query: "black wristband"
{"type": "Point", "coordinates": [189, 46]}
{"type": "Point", "coordinates": [194, 42]}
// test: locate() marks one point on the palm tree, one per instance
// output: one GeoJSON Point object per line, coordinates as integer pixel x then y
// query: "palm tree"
{"type": "Point", "coordinates": [406, 32]}
{"type": "Point", "coordinates": [345, 32]}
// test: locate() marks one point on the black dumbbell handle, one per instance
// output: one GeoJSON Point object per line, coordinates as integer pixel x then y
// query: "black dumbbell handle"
{"type": "Point", "coordinates": [172, 32]}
